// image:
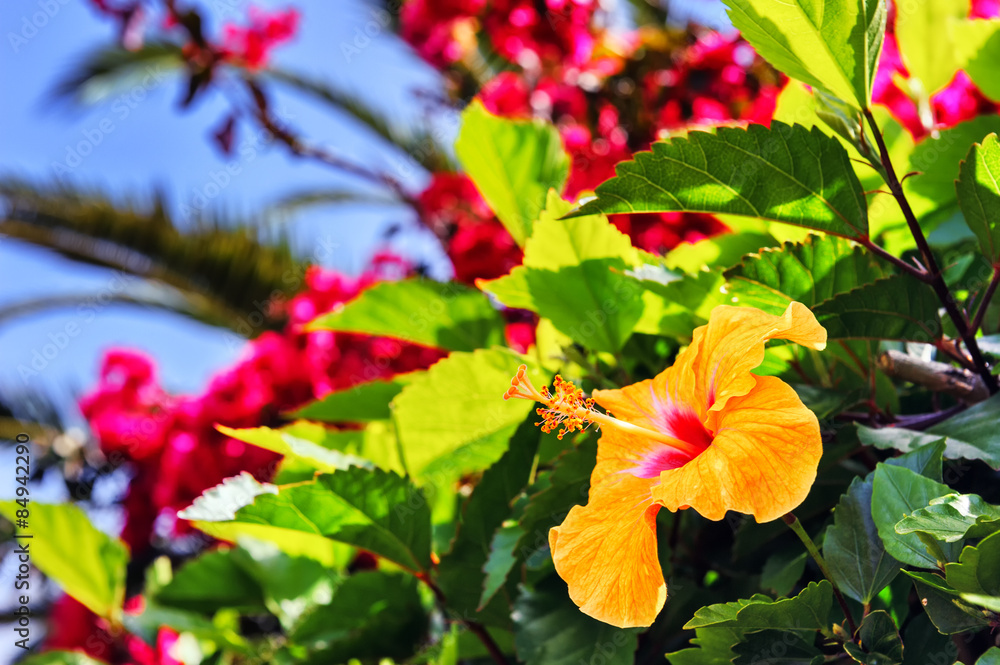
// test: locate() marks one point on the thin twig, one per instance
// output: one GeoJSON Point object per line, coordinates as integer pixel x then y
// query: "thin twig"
{"type": "Point", "coordinates": [867, 243]}
{"type": "Point", "coordinates": [936, 280]}
{"type": "Point", "coordinates": [475, 627]}
{"type": "Point", "coordinates": [793, 523]}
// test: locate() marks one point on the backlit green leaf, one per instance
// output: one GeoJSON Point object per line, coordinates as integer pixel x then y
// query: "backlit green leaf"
{"type": "Point", "coordinates": [785, 174]}
{"type": "Point", "coordinates": [88, 564]}
{"type": "Point", "coordinates": [831, 45]}
{"type": "Point", "coordinates": [898, 307]}
{"type": "Point", "coordinates": [514, 163]}
{"type": "Point", "coordinates": [446, 315]}
{"type": "Point", "coordinates": [979, 194]}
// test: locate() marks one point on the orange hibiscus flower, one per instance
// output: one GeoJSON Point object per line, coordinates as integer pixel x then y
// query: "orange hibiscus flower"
{"type": "Point", "coordinates": [706, 434]}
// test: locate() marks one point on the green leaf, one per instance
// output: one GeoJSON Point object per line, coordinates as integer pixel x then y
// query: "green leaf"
{"type": "Point", "coordinates": [783, 570]}
{"type": "Point", "coordinates": [368, 508]}
{"type": "Point", "coordinates": [785, 174]}
{"type": "Point", "coordinates": [302, 450]}
{"type": "Point", "coordinates": [514, 163]}
{"type": "Point", "coordinates": [833, 46]}
{"type": "Point", "coordinates": [711, 646]}
{"type": "Point", "coordinates": [979, 194]}
{"type": "Point", "coordinates": [992, 603]}
{"type": "Point", "coordinates": [807, 611]}
{"type": "Point", "coordinates": [372, 615]}
{"type": "Point", "coordinates": [574, 275]}
{"type": "Point", "coordinates": [453, 419]}
{"type": "Point", "coordinates": [551, 630]}
{"type": "Point", "coordinates": [923, 642]}
{"type": "Point", "coordinates": [978, 48]}
{"type": "Point", "coordinates": [501, 560]}
{"type": "Point", "coordinates": [810, 272]}
{"type": "Point", "coordinates": [88, 564]}
{"type": "Point", "coordinates": [954, 517]}
{"type": "Point", "coordinates": [853, 549]}
{"type": "Point", "coordinates": [291, 586]}
{"type": "Point", "coordinates": [927, 45]}
{"type": "Point", "coordinates": [971, 434]}
{"type": "Point", "coordinates": [776, 647]}
{"type": "Point", "coordinates": [978, 568]}
{"type": "Point", "coordinates": [931, 192]}
{"type": "Point", "coordinates": [567, 485]}
{"type": "Point", "coordinates": [948, 612]}
{"type": "Point", "coordinates": [460, 572]}
{"type": "Point", "coordinates": [211, 582]}
{"type": "Point", "coordinates": [898, 492]}
{"type": "Point", "coordinates": [879, 638]}
{"type": "Point", "coordinates": [362, 403]}
{"type": "Point", "coordinates": [927, 460]}
{"type": "Point", "coordinates": [990, 657]}
{"type": "Point", "coordinates": [898, 307]}
{"type": "Point", "coordinates": [446, 315]}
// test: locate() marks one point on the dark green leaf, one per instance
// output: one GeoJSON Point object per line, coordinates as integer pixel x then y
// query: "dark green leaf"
{"type": "Point", "coordinates": [809, 272]}
{"type": "Point", "coordinates": [880, 643]}
{"type": "Point", "coordinates": [446, 315]}
{"type": "Point", "coordinates": [453, 419]}
{"type": "Point", "coordinates": [898, 492]}
{"type": "Point", "coordinates": [372, 615]}
{"type": "Point", "coordinates": [460, 572]}
{"type": "Point", "coordinates": [567, 485]}
{"type": "Point", "coordinates": [979, 194]}
{"type": "Point", "coordinates": [107, 70]}
{"type": "Point", "coordinates": [924, 645]}
{"type": "Point", "coordinates": [833, 46]}
{"type": "Point", "coordinates": [783, 570]}
{"type": "Point", "coordinates": [291, 586]}
{"type": "Point", "coordinates": [807, 611]}
{"type": "Point", "coordinates": [363, 402]}
{"type": "Point", "coordinates": [972, 434]}
{"type": "Point", "coordinates": [551, 630]}
{"type": "Point", "coordinates": [368, 508]}
{"type": "Point", "coordinates": [502, 559]}
{"type": "Point", "coordinates": [514, 164]}
{"type": "Point", "coordinates": [949, 613]}
{"type": "Point", "coordinates": [853, 549]}
{"type": "Point", "coordinates": [87, 564]}
{"type": "Point", "coordinates": [212, 582]}
{"type": "Point", "coordinates": [978, 568]}
{"type": "Point", "coordinates": [954, 517]}
{"type": "Point", "coordinates": [898, 307]}
{"type": "Point", "coordinates": [776, 647]}
{"type": "Point", "coordinates": [785, 174]}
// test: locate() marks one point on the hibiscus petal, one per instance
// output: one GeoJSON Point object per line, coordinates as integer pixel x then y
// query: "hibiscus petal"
{"type": "Point", "coordinates": [762, 461]}
{"type": "Point", "coordinates": [606, 552]}
{"type": "Point", "coordinates": [722, 353]}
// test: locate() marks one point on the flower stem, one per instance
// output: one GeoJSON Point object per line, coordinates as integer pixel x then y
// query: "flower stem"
{"type": "Point", "coordinates": [934, 277]}
{"type": "Point", "coordinates": [793, 523]}
{"type": "Point", "coordinates": [474, 627]}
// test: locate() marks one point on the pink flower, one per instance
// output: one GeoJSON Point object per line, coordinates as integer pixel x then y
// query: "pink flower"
{"type": "Point", "coordinates": [251, 45]}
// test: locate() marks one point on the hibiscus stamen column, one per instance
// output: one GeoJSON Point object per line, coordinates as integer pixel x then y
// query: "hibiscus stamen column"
{"type": "Point", "coordinates": [570, 410]}
{"type": "Point", "coordinates": [793, 523]}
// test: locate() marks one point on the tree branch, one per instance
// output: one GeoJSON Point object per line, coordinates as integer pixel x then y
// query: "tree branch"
{"type": "Point", "coordinates": [936, 281]}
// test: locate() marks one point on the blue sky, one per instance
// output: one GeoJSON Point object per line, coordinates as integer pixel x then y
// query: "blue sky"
{"type": "Point", "coordinates": [144, 140]}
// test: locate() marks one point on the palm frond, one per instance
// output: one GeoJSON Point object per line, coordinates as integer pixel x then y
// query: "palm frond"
{"type": "Point", "coordinates": [419, 143]}
{"type": "Point", "coordinates": [111, 69]}
{"type": "Point", "coordinates": [319, 197]}
{"type": "Point", "coordinates": [217, 265]}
